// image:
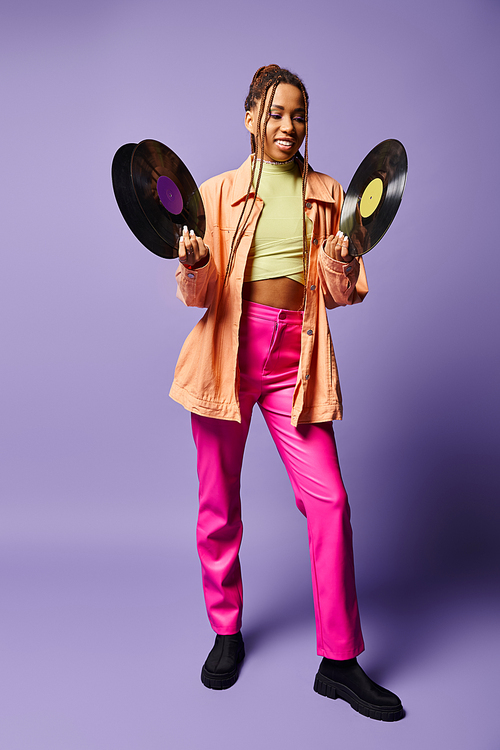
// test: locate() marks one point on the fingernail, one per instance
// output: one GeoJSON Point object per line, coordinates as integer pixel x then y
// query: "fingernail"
{"type": "Point", "coordinates": [184, 228]}
{"type": "Point", "coordinates": [181, 239]}
{"type": "Point", "coordinates": [191, 232]}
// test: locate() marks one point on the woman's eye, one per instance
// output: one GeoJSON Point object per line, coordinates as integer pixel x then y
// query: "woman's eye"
{"type": "Point", "coordinates": [277, 116]}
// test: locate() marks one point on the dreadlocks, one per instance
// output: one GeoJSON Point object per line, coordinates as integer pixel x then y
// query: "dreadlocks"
{"type": "Point", "coordinates": [268, 79]}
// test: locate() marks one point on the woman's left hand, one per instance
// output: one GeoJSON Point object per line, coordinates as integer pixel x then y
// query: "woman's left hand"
{"type": "Point", "coordinates": [337, 247]}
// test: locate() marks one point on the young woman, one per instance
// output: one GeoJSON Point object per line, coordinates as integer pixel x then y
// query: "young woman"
{"type": "Point", "coordinates": [271, 262]}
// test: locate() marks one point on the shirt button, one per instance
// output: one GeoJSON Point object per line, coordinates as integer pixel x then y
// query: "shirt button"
{"type": "Point", "coordinates": [308, 205]}
{"type": "Point", "coordinates": [313, 287]}
{"type": "Point", "coordinates": [310, 333]}
{"type": "Point", "coordinates": [190, 275]}
{"type": "Point", "coordinates": [307, 377]}
{"type": "Point", "coordinates": [315, 242]}
{"type": "Point", "coordinates": [348, 269]}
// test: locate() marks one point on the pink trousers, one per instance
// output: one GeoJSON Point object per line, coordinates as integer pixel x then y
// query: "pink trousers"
{"type": "Point", "coordinates": [268, 359]}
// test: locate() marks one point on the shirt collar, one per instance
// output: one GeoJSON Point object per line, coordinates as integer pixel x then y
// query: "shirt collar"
{"type": "Point", "coordinates": [315, 189]}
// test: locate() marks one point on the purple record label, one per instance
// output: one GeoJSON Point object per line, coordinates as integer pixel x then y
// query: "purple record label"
{"type": "Point", "coordinates": [170, 195]}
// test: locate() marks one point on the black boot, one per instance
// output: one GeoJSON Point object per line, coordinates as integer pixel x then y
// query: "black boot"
{"type": "Point", "coordinates": [346, 680]}
{"type": "Point", "coordinates": [220, 670]}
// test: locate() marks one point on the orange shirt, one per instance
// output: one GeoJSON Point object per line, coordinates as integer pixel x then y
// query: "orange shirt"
{"type": "Point", "coordinates": [206, 377]}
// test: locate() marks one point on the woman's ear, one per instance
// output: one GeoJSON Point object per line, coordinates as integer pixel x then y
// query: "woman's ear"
{"type": "Point", "coordinates": [249, 122]}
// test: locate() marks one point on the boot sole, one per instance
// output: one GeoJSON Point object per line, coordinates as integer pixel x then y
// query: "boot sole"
{"type": "Point", "coordinates": [324, 686]}
{"type": "Point", "coordinates": [223, 681]}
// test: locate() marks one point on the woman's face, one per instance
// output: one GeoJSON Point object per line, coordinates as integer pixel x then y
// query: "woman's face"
{"type": "Point", "coordinates": [286, 126]}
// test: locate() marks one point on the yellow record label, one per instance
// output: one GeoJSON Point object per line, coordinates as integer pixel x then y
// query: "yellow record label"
{"type": "Point", "coordinates": [371, 197]}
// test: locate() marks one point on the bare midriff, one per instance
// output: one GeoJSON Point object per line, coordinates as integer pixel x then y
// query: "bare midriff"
{"type": "Point", "coordinates": [283, 293]}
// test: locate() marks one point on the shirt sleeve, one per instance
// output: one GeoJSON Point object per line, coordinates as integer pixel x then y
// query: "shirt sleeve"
{"type": "Point", "coordinates": [196, 287]}
{"type": "Point", "coordinates": [342, 283]}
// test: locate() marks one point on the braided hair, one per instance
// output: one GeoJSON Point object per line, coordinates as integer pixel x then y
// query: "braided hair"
{"type": "Point", "coordinates": [268, 79]}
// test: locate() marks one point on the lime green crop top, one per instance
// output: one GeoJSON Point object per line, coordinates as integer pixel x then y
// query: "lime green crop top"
{"type": "Point", "coordinates": [277, 243]}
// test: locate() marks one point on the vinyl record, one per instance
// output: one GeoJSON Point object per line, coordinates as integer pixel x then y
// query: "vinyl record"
{"type": "Point", "coordinates": [156, 195]}
{"type": "Point", "coordinates": [374, 195]}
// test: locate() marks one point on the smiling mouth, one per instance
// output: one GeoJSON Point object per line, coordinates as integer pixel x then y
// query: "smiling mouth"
{"type": "Point", "coordinates": [283, 143]}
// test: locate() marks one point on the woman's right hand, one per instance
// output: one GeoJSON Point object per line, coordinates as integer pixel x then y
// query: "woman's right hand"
{"type": "Point", "coordinates": [192, 249]}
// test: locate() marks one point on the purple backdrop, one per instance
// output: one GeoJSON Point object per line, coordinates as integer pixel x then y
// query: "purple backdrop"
{"type": "Point", "coordinates": [104, 623]}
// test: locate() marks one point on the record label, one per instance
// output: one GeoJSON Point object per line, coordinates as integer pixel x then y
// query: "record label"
{"type": "Point", "coordinates": [371, 197]}
{"type": "Point", "coordinates": [170, 195]}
